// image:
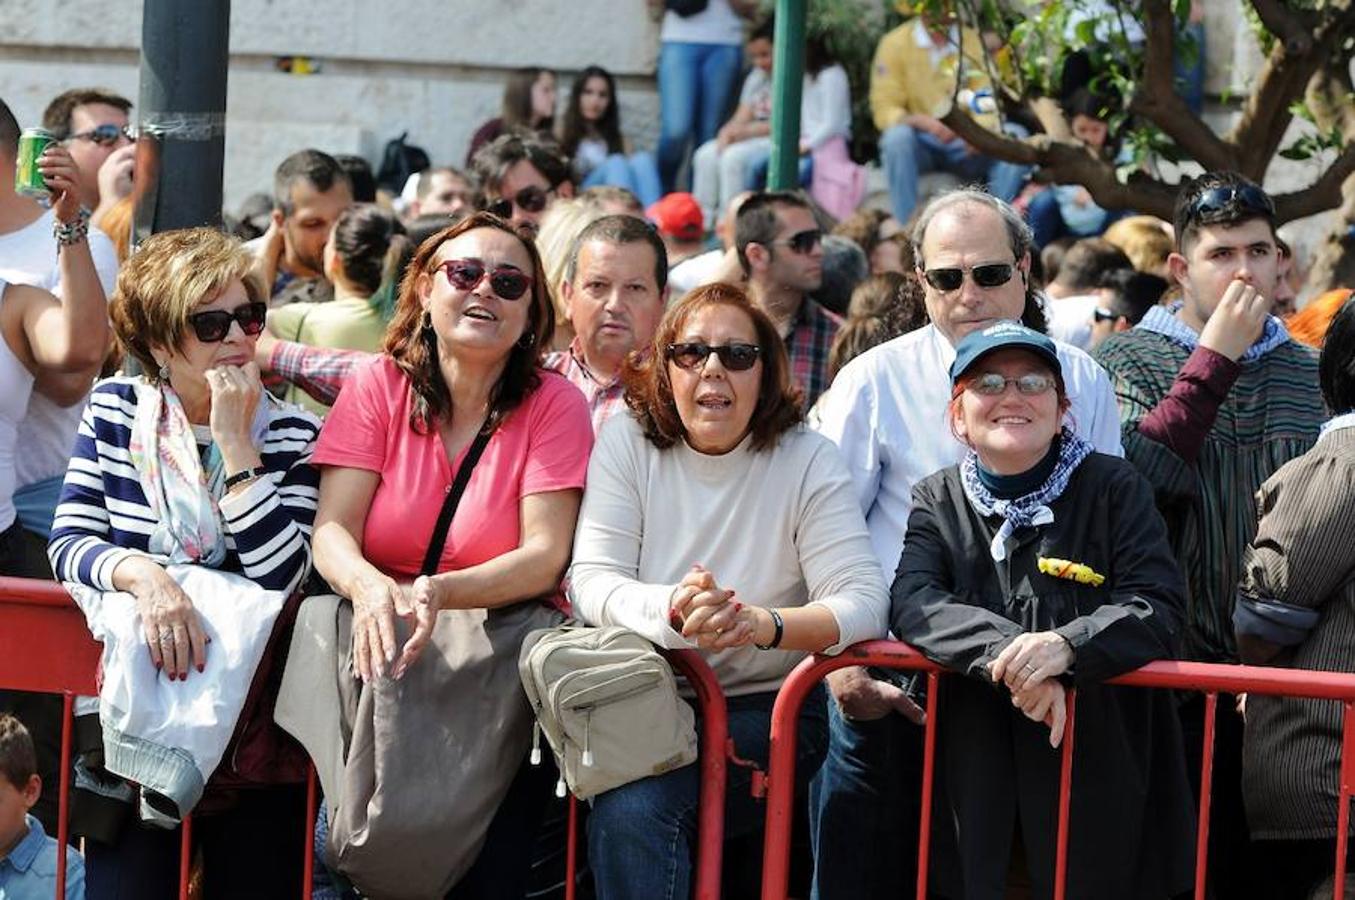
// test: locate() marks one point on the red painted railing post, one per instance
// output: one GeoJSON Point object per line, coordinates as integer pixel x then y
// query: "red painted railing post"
{"type": "Point", "coordinates": [185, 855]}
{"type": "Point", "coordinates": [1211, 708]}
{"type": "Point", "coordinates": [1065, 796]}
{"type": "Point", "coordinates": [714, 762]}
{"type": "Point", "coordinates": [1343, 797]}
{"type": "Point", "coordinates": [312, 813]}
{"type": "Point", "coordinates": [924, 839]}
{"type": "Point", "coordinates": [63, 816]}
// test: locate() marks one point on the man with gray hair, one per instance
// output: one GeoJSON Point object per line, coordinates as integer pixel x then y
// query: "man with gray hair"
{"type": "Point", "coordinates": [886, 412]}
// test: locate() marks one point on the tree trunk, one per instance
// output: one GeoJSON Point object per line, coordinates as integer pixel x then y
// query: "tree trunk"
{"type": "Point", "coordinates": [1334, 262]}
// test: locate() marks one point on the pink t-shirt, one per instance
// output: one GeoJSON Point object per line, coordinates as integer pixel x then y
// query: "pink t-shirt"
{"type": "Point", "coordinates": [541, 446]}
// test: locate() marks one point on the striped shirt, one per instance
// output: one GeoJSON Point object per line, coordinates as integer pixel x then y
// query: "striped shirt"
{"type": "Point", "coordinates": [1270, 415]}
{"type": "Point", "coordinates": [103, 517]}
{"type": "Point", "coordinates": [1302, 556]}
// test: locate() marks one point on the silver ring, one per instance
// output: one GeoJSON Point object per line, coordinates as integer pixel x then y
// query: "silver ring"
{"type": "Point", "coordinates": [1028, 668]}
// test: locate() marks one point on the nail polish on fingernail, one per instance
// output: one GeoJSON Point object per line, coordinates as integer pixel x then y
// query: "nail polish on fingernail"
{"type": "Point", "coordinates": [738, 607]}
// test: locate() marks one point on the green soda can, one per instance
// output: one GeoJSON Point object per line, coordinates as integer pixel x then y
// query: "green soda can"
{"type": "Point", "coordinates": [28, 181]}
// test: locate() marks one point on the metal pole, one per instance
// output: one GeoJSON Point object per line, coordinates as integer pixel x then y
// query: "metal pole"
{"type": "Point", "coordinates": [182, 114]}
{"type": "Point", "coordinates": [788, 67]}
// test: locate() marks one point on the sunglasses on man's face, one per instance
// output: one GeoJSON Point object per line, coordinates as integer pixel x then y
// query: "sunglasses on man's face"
{"type": "Point", "coordinates": [1032, 384]}
{"type": "Point", "coordinates": [505, 281]}
{"type": "Point", "coordinates": [105, 135]}
{"type": "Point", "coordinates": [990, 275]}
{"type": "Point", "coordinates": [530, 199]}
{"type": "Point", "coordinates": [1249, 197]}
{"type": "Point", "coordinates": [214, 324]}
{"type": "Point", "coordinates": [802, 242]}
{"type": "Point", "coordinates": [735, 357]}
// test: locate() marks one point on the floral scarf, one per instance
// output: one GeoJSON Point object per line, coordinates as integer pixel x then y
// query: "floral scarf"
{"type": "Point", "coordinates": [1030, 509]}
{"type": "Point", "coordinates": [181, 486]}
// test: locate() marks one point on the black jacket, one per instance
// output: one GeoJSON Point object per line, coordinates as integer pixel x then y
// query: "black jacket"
{"type": "Point", "coordinates": [1133, 821]}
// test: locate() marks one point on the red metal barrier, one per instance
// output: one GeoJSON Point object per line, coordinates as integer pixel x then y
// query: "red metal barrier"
{"type": "Point", "coordinates": [1211, 679]}
{"type": "Point", "coordinates": [40, 614]}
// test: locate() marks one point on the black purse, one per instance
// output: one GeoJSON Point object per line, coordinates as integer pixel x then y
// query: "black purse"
{"type": "Point", "coordinates": [685, 8]}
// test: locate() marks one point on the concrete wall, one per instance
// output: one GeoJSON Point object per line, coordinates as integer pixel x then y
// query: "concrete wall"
{"type": "Point", "coordinates": [435, 69]}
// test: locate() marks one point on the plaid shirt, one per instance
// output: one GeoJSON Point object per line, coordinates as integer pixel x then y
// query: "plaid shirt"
{"type": "Point", "coordinates": [319, 371]}
{"type": "Point", "coordinates": [604, 398]}
{"type": "Point", "coordinates": [807, 345]}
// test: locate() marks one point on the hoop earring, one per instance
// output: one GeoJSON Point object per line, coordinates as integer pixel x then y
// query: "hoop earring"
{"type": "Point", "coordinates": [526, 341]}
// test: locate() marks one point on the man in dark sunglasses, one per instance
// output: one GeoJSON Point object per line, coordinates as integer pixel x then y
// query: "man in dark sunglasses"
{"type": "Point", "coordinates": [93, 124]}
{"type": "Point", "coordinates": [886, 411]}
{"type": "Point", "coordinates": [780, 249]}
{"type": "Point", "coordinates": [520, 175]}
{"type": "Point", "coordinates": [1215, 397]}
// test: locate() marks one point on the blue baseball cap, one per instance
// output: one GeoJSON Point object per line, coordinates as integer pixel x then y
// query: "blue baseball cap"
{"type": "Point", "coordinates": [1001, 336]}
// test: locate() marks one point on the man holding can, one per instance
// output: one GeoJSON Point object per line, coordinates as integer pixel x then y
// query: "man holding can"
{"type": "Point", "coordinates": [92, 123]}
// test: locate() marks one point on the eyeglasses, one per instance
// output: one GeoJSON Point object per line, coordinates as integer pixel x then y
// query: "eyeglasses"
{"type": "Point", "coordinates": [531, 199]}
{"type": "Point", "coordinates": [734, 357]}
{"type": "Point", "coordinates": [1249, 197]}
{"type": "Point", "coordinates": [214, 324]}
{"type": "Point", "coordinates": [105, 135]}
{"type": "Point", "coordinates": [802, 242]}
{"type": "Point", "coordinates": [990, 275]}
{"type": "Point", "coordinates": [505, 281]}
{"type": "Point", "coordinates": [1032, 384]}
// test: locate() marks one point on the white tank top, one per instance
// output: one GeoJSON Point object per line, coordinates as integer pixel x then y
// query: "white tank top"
{"type": "Point", "coordinates": [16, 384]}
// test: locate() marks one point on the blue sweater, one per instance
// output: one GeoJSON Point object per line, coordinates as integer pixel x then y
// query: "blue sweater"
{"type": "Point", "coordinates": [103, 516]}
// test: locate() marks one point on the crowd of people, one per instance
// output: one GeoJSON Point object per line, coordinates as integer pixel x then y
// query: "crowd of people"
{"type": "Point", "coordinates": [337, 463]}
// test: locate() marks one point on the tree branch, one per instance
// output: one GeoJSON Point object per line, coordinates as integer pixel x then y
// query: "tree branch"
{"type": "Point", "coordinates": [1265, 116]}
{"type": "Point", "coordinates": [1157, 100]}
{"type": "Point", "coordinates": [1292, 28]}
{"type": "Point", "coordinates": [1321, 195]}
{"type": "Point", "coordinates": [1068, 162]}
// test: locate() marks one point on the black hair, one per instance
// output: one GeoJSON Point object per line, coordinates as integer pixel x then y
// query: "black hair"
{"type": "Point", "coordinates": [1087, 263]}
{"type": "Point", "coordinates": [817, 55]}
{"type": "Point", "coordinates": [1134, 293]}
{"type": "Point", "coordinates": [369, 243]}
{"type": "Point", "coordinates": [9, 130]}
{"type": "Point", "coordinates": [1248, 202]}
{"type": "Point", "coordinates": [360, 176]}
{"type": "Point", "coordinates": [621, 229]}
{"type": "Point", "coordinates": [1336, 366]}
{"type": "Point", "coordinates": [756, 222]}
{"type": "Point", "coordinates": [764, 31]}
{"type": "Point", "coordinates": [314, 166]}
{"type": "Point", "coordinates": [493, 160]}
{"type": "Point", "coordinates": [609, 126]}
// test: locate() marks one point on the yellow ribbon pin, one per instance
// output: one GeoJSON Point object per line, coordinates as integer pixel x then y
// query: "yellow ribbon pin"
{"type": "Point", "coordinates": [1073, 571]}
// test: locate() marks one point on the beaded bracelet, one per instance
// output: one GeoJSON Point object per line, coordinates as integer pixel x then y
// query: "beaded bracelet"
{"type": "Point", "coordinates": [67, 233]}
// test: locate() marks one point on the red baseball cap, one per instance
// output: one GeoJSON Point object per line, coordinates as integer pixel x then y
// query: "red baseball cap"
{"type": "Point", "coordinates": [678, 215]}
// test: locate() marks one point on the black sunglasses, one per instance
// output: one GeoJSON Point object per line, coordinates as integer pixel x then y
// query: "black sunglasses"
{"type": "Point", "coordinates": [214, 324]}
{"type": "Point", "coordinates": [105, 135]}
{"type": "Point", "coordinates": [1249, 197]}
{"type": "Point", "coordinates": [802, 242]}
{"type": "Point", "coordinates": [1101, 314]}
{"type": "Point", "coordinates": [1032, 384]}
{"type": "Point", "coordinates": [990, 275]}
{"type": "Point", "coordinates": [734, 357]}
{"type": "Point", "coordinates": [530, 199]}
{"type": "Point", "coordinates": [505, 281]}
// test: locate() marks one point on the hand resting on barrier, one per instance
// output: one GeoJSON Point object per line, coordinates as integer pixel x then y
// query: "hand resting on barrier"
{"type": "Point", "coordinates": [863, 698]}
{"type": "Point", "coordinates": [1045, 702]}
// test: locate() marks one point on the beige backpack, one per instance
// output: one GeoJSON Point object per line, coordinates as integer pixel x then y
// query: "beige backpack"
{"type": "Point", "coordinates": [608, 704]}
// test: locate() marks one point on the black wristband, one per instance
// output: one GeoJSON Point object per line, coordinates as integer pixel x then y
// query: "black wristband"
{"type": "Point", "coordinates": [246, 475]}
{"type": "Point", "coordinates": [776, 635]}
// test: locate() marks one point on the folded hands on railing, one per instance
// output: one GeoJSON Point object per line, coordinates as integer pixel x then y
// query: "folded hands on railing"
{"type": "Point", "coordinates": [1028, 666]}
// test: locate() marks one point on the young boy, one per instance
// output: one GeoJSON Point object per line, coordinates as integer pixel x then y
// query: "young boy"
{"type": "Point", "coordinates": [27, 854]}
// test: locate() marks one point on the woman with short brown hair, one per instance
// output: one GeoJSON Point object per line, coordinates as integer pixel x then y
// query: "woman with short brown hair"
{"type": "Point", "coordinates": [715, 519]}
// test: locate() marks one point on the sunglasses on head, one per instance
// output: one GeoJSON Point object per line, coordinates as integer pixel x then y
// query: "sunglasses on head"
{"type": "Point", "coordinates": [530, 199]}
{"type": "Point", "coordinates": [105, 135]}
{"type": "Point", "coordinates": [734, 357]}
{"type": "Point", "coordinates": [505, 281]}
{"type": "Point", "coordinates": [802, 242]}
{"type": "Point", "coordinates": [990, 275]}
{"type": "Point", "coordinates": [1247, 196]}
{"type": "Point", "coordinates": [991, 384]}
{"type": "Point", "coordinates": [1101, 314]}
{"type": "Point", "coordinates": [214, 324]}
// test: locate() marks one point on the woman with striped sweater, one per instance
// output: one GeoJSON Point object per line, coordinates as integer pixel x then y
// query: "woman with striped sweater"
{"type": "Point", "coordinates": [183, 525]}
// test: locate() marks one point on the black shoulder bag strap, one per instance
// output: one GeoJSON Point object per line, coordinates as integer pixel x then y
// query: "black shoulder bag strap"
{"type": "Point", "coordinates": [449, 505]}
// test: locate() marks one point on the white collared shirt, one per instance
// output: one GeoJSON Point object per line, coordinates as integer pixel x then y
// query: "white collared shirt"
{"type": "Point", "coordinates": [886, 411]}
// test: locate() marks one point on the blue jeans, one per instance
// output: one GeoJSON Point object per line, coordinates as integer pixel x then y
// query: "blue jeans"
{"type": "Point", "coordinates": [760, 167]}
{"type": "Point", "coordinates": [863, 808]}
{"type": "Point", "coordinates": [907, 153]}
{"type": "Point", "coordinates": [637, 173]}
{"type": "Point", "coordinates": [696, 87]}
{"type": "Point", "coordinates": [641, 835]}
